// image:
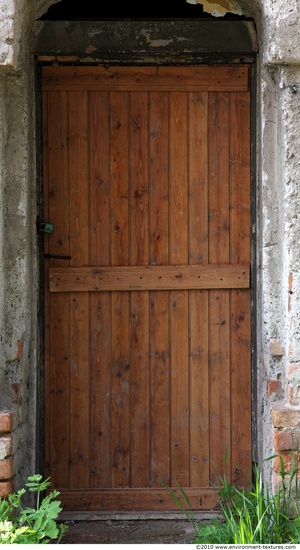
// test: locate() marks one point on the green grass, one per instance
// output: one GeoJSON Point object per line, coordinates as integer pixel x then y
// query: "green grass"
{"type": "Point", "coordinates": [251, 516]}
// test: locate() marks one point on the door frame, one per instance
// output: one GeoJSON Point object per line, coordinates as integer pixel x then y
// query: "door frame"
{"type": "Point", "coordinates": [54, 46]}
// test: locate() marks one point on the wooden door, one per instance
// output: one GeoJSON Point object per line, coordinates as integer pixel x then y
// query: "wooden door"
{"type": "Point", "coordinates": [148, 378]}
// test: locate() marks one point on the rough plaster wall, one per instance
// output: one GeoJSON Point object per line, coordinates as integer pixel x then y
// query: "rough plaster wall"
{"type": "Point", "coordinates": [2, 212]}
{"type": "Point", "coordinates": [41, 6]}
{"type": "Point", "coordinates": [278, 223]}
{"type": "Point", "coordinates": [17, 240]}
{"type": "Point", "coordinates": [19, 248]}
{"type": "Point", "coordinates": [289, 90]}
{"type": "Point", "coordinates": [7, 14]}
{"type": "Point", "coordinates": [219, 8]}
{"type": "Point", "coordinates": [282, 31]}
{"type": "Point", "coordinates": [270, 261]}
{"type": "Point", "coordinates": [277, 23]}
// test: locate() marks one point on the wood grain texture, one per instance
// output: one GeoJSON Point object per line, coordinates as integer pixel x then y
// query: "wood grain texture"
{"type": "Point", "coordinates": [240, 300]}
{"type": "Point", "coordinates": [159, 330]}
{"type": "Point", "coordinates": [155, 499]}
{"type": "Point", "coordinates": [47, 386]}
{"type": "Point", "coordinates": [79, 303]}
{"type": "Point", "coordinates": [177, 277]}
{"type": "Point", "coordinates": [100, 303]}
{"type": "Point", "coordinates": [198, 299]}
{"type": "Point", "coordinates": [222, 78]}
{"type": "Point", "coordinates": [139, 301]}
{"type": "Point", "coordinates": [120, 317]}
{"type": "Point", "coordinates": [147, 180]}
{"type": "Point", "coordinates": [219, 312]}
{"type": "Point", "coordinates": [57, 321]}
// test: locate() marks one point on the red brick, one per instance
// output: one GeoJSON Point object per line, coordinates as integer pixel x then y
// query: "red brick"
{"type": "Point", "coordinates": [20, 348]}
{"type": "Point", "coordinates": [288, 459]}
{"type": "Point", "coordinates": [6, 422]}
{"type": "Point", "coordinates": [290, 282]}
{"type": "Point", "coordinates": [275, 389]}
{"type": "Point", "coordinates": [16, 389]}
{"type": "Point", "coordinates": [285, 417]}
{"type": "Point", "coordinates": [285, 441]}
{"type": "Point", "coordinates": [5, 488]}
{"type": "Point", "coordinates": [5, 468]}
{"type": "Point", "coordinates": [276, 348]}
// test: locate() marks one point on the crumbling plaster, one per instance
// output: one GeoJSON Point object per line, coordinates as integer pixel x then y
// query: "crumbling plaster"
{"type": "Point", "coordinates": [276, 228]}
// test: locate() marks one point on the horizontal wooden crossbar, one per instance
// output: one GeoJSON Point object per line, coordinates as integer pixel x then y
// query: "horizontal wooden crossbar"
{"type": "Point", "coordinates": [154, 499]}
{"type": "Point", "coordinates": [201, 78]}
{"type": "Point", "coordinates": [93, 279]}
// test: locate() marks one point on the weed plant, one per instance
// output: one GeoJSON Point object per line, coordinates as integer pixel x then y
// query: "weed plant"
{"type": "Point", "coordinates": [251, 516]}
{"type": "Point", "coordinates": [25, 525]}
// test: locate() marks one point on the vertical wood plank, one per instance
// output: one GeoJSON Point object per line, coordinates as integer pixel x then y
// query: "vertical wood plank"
{"type": "Point", "coordinates": [45, 130]}
{"type": "Point", "coordinates": [219, 177]}
{"type": "Point", "coordinates": [139, 300]}
{"type": "Point", "coordinates": [179, 389]}
{"type": "Point", "coordinates": [79, 301]}
{"type": "Point", "coordinates": [219, 365]}
{"type": "Point", "coordinates": [120, 393]}
{"type": "Point", "coordinates": [199, 390]}
{"type": "Point", "coordinates": [100, 301]}
{"type": "Point", "coordinates": [240, 178]}
{"type": "Point", "coordinates": [58, 210]}
{"type": "Point", "coordinates": [241, 387]}
{"type": "Point", "coordinates": [119, 142]}
{"type": "Point", "coordinates": [160, 388]}
{"type": "Point", "coordinates": [198, 300]}
{"type": "Point", "coordinates": [159, 301]}
{"type": "Point", "coordinates": [240, 300]}
{"type": "Point", "coordinates": [139, 178]}
{"type": "Point", "coordinates": [179, 299]}
{"type": "Point", "coordinates": [140, 389]}
{"type": "Point", "coordinates": [198, 177]}
{"type": "Point", "coordinates": [120, 377]}
{"type": "Point", "coordinates": [219, 317]}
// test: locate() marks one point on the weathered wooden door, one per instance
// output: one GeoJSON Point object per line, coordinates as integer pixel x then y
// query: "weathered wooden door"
{"type": "Point", "coordinates": [147, 183]}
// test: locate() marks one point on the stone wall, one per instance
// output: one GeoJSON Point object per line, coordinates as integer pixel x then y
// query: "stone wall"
{"type": "Point", "coordinates": [18, 253]}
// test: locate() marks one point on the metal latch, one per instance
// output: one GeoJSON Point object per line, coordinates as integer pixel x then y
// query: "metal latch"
{"type": "Point", "coordinates": [57, 257]}
{"type": "Point", "coordinates": [46, 227]}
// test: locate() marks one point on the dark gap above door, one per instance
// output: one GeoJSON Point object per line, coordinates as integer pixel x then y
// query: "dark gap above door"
{"type": "Point", "coordinates": [68, 10]}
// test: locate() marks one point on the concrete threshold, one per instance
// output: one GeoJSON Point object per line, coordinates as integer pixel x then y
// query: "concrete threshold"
{"type": "Point", "coordinates": [134, 515]}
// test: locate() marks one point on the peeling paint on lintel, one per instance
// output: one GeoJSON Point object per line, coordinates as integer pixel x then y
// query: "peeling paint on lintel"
{"type": "Point", "coordinates": [218, 8]}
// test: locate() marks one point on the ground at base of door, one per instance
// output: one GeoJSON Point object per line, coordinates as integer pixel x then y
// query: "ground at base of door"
{"type": "Point", "coordinates": [160, 531]}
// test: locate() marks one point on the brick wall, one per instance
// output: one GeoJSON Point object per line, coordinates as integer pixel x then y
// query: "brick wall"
{"type": "Point", "coordinates": [286, 437]}
{"type": "Point", "coordinates": [6, 452]}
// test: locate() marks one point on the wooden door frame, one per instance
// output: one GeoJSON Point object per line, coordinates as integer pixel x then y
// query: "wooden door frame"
{"type": "Point", "coordinates": [53, 46]}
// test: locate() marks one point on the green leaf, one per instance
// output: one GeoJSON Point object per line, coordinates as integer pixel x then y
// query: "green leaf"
{"type": "Point", "coordinates": [28, 525]}
{"type": "Point", "coordinates": [4, 510]}
{"type": "Point", "coordinates": [51, 529]}
{"type": "Point", "coordinates": [53, 509]}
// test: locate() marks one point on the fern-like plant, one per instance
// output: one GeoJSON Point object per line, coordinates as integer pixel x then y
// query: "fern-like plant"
{"type": "Point", "coordinates": [26, 525]}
